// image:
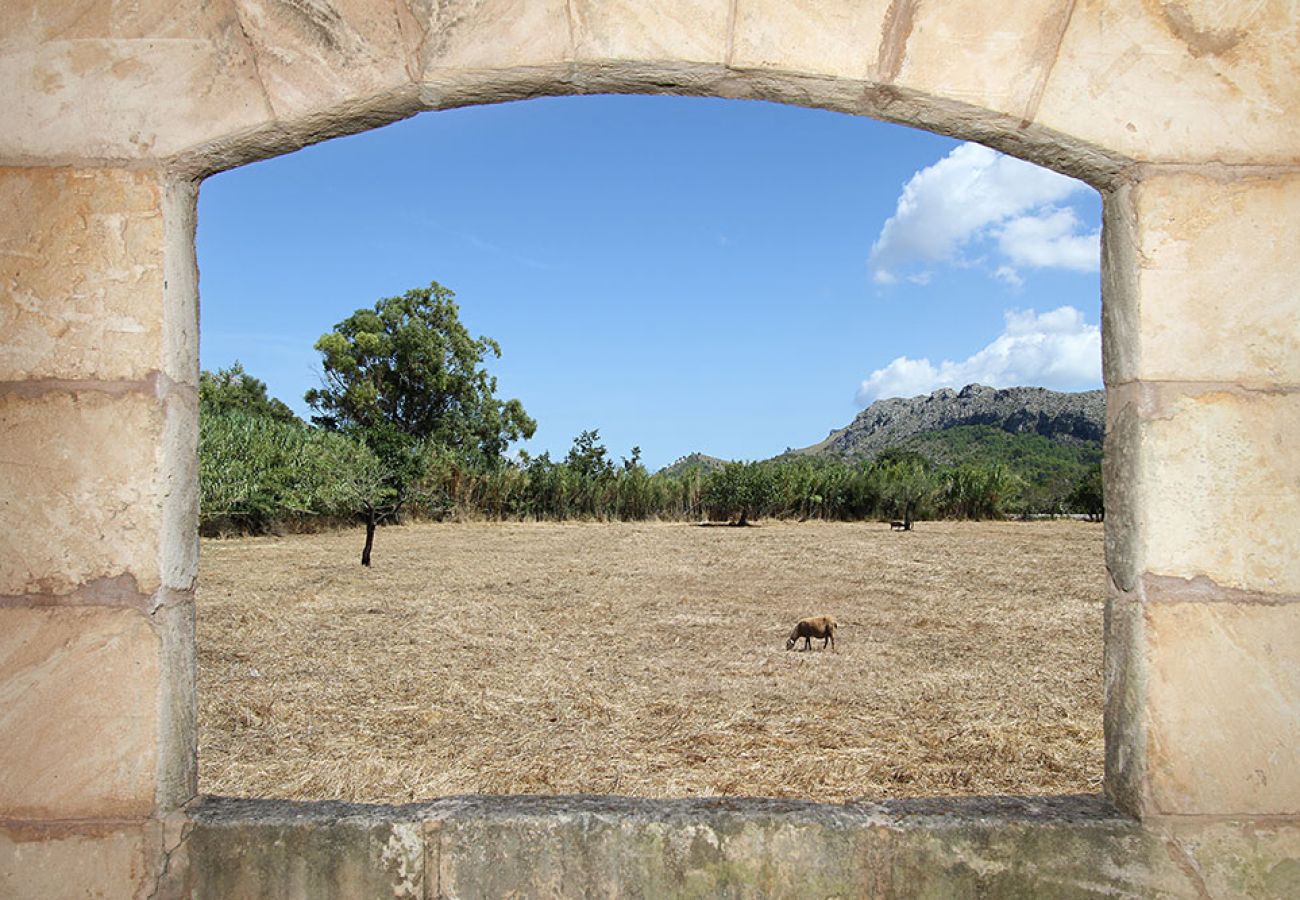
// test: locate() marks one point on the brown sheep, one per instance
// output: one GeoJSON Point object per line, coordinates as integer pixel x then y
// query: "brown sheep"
{"type": "Point", "coordinates": [816, 627]}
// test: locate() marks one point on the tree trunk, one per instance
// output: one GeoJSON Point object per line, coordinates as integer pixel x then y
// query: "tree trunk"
{"type": "Point", "coordinates": [907, 517]}
{"type": "Point", "coordinates": [371, 518]}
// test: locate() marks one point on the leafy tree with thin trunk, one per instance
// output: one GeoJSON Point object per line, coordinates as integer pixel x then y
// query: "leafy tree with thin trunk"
{"type": "Point", "coordinates": [407, 379]}
{"type": "Point", "coordinates": [1087, 496]}
{"type": "Point", "coordinates": [740, 490]}
{"type": "Point", "coordinates": [909, 485]}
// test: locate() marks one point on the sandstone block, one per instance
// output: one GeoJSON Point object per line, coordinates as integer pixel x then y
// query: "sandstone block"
{"type": "Point", "coordinates": [81, 274]}
{"type": "Point", "coordinates": [988, 55]}
{"type": "Point", "coordinates": [86, 494]}
{"type": "Point", "coordinates": [313, 55]}
{"type": "Point", "coordinates": [839, 38]}
{"type": "Point", "coordinates": [95, 862]}
{"type": "Point", "coordinates": [489, 34]}
{"type": "Point", "coordinates": [1216, 488]}
{"type": "Point", "coordinates": [305, 850]}
{"type": "Point", "coordinates": [1222, 701]}
{"type": "Point", "coordinates": [686, 31]}
{"type": "Point", "coordinates": [98, 80]}
{"type": "Point", "coordinates": [1260, 860]}
{"type": "Point", "coordinates": [1195, 81]}
{"type": "Point", "coordinates": [1218, 280]}
{"type": "Point", "coordinates": [78, 713]}
{"type": "Point", "coordinates": [575, 854]}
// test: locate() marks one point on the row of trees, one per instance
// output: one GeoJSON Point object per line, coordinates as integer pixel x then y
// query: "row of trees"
{"type": "Point", "coordinates": [903, 486]}
{"type": "Point", "coordinates": [407, 420]}
{"type": "Point", "coordinates": [259, 474]}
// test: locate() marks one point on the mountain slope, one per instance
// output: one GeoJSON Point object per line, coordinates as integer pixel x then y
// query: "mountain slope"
{"type": "Point", "coordinates": [1064, 418]}
{"type": "Point", "coordinates": [701, 461]}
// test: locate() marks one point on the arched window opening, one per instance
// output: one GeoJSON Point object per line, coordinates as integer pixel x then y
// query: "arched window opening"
{"type": "Point", "coordinates": [878, 345]}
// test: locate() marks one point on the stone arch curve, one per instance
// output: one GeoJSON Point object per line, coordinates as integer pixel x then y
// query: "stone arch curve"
{"type": "Point", "coordinates": [1182, 113]}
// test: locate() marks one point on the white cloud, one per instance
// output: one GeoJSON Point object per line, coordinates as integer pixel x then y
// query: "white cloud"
{"type": "Point", "coordinates": [1050, 239]}
{"type": "Point", "coordinates": [1010, 276]}
{"type": "Point", "coordinates": [963, 198]}
{"type": "Point", "coordinates": [1056, 349]}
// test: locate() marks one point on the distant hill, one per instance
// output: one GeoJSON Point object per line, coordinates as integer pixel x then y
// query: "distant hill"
{"type": "Point", "coordinates": [1049, 439]}
{"type": "Point", "coordinates": [1064, 418]}
{"type": "Point", "coordinates": [701, 461]}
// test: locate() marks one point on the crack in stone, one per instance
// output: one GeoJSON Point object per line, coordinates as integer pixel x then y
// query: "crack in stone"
{"type": "Point", "coordinates": [410, 61]}
{"type": "Point", "coordinates": [163, 881]}
{"type": "Point", "coordinates": [1187, 864]}
{"type": "Point", "coordinates": [257, 62]}
{"type": "Point", "coordinates": [1051, 56]}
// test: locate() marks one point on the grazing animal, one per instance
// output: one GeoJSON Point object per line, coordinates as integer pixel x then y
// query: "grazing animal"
{"type": "Point", "coordinates": [816, 627]}
{"type": "Point", "coordinates": [897, 525]}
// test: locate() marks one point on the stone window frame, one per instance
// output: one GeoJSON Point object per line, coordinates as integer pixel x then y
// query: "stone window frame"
{"type": "Point", "coordinates": [1186, 810]}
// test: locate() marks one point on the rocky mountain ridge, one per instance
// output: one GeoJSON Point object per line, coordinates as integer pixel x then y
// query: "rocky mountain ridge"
{"type": "Point", "coordinates": [1069, 418]}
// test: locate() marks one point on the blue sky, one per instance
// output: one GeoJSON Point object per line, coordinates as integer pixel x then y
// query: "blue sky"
{"type": "Point", "coordinates": [683, 274]}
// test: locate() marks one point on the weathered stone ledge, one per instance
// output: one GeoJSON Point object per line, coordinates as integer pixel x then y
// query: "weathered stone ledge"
{"type": "Point", "coordinates": [1070, 808]}
{"type": "Point", "coordinates": [606, 846]}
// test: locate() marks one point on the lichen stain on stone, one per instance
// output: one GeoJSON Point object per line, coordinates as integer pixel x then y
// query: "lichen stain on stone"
{"type": "Point", "coordinates": [403, 854]}
{"type": "Point", "coordinates": [48, 81]}
{"type": "Point", "coordinates": [445, 18]}
{"type": "Point", "coordinates": [1200, 41]}
{"type": "Point", "coordinates": [320, 19]}
{"type": "Point", "coordinates": [1283, 879]}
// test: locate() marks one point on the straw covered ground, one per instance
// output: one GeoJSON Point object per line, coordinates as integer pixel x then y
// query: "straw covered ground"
{"type": "Point", "coordinates": [649, 660]}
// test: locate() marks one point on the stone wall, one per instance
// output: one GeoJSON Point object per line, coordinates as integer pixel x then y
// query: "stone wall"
{"type": "Point", "coordinates": [1184, 114]}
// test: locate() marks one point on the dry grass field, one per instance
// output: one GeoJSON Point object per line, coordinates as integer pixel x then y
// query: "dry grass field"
{"type": "Point", "coordinates": [649, 660]}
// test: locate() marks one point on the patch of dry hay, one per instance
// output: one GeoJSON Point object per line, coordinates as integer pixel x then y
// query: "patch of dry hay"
{"type": "Point", "coordinates": [649, 660]}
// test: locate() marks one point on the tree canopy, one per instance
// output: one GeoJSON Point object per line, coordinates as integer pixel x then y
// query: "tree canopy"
{"type": "Point", "coordinates": [408, 380]}
{"type": "Point", "coordinates": [408, 371]}
{"type": "Point", "coordinates": [233, 390]}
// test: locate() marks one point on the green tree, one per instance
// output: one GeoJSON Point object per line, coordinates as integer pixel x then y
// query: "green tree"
{"type": "Point", "coordinates": [234, 390]}
{"type": "Point", "coordinates": [407, 379]}
{"type": "Point", "coordinates": [739, 489]}
{"type": "Point", "coordinates": [909, 484]}
{"type": "Point", "coordinates": [588, 457]}
{"type": "Point", "coordinates": [1087, 496]}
